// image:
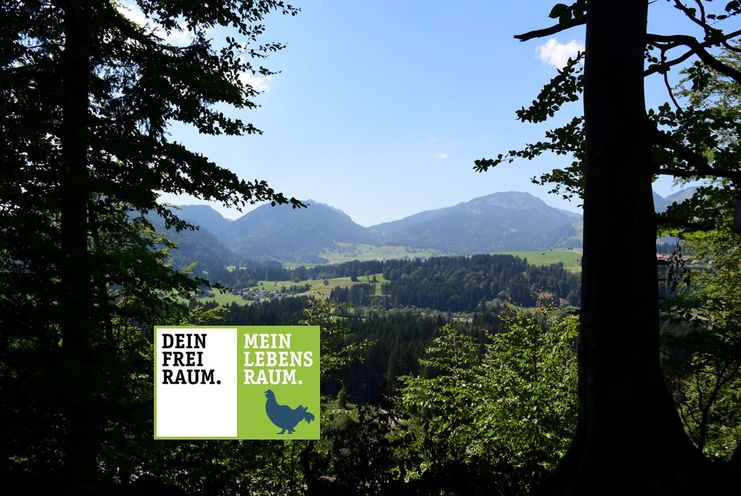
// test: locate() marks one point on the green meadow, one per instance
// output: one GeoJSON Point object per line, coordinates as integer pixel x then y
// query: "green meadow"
{"type": "Point", "coordinates": [571, 259]}
{"type": "Point", "coordinates": [347, 252]}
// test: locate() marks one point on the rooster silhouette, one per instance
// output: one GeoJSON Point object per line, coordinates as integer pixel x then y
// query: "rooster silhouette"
{"type": "Point", "coordinates": [284, 416]}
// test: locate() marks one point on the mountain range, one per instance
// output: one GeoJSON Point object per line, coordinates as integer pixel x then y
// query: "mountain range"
{"type": "Point", "coordinates": [508, 221]}
{"type": "Point", "coordinates": [500, 221]}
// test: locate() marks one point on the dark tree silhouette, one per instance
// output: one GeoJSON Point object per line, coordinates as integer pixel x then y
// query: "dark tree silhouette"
{"type": "Point", "coordinates": [629, 439]}
{"type": "Point", "coordinates": [87, 98]}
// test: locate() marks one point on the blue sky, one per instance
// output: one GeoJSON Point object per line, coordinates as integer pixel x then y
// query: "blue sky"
{"type": "Point", "coordinates": [382, 106]}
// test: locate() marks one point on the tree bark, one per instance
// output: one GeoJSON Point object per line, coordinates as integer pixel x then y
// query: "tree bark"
{"type": "Point", "coordinates": [75, 300]}
{"type": "Point", "coordinates": [629, 437]}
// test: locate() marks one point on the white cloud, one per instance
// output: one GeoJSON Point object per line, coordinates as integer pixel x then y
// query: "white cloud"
{"type": "Point", "coordinates": [177, 37]}
{"type": "Point", "coordinates": [442, 156]}
{"type": "Point", "coordinates": [557, 54]}
{"type": "Point", "coordinates": [258, 82]}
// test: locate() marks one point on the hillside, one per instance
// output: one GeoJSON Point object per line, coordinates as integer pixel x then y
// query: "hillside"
{"type": "Point", "coordinates": [205, 217]}
{"type": "Point", "coordinates": [500, 221]}
{"type": "Point", "coordinates": [292, 235]}
{"type": "Point", "coordinates": [200, 246]}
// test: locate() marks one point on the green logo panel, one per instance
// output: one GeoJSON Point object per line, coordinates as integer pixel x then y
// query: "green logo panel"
{"type": "Point", "coordinates": [279, 383]}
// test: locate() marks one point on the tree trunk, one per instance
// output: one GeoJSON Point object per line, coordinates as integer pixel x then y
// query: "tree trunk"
{"type": "Point", "coordinates": [76, 296]}
{"type": "Point", "coordinates": [629, 438]}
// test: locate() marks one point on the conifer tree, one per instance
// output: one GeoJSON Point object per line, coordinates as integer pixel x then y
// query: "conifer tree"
{"type": "Point", "coordinates": [89, 91]}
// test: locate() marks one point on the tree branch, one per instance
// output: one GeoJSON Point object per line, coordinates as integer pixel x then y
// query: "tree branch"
{"type": "Point", "coordinates": [668, 85]}
{"type": "Point", "coordinates": [688, 174]}
{"type": "Point", "coordinates": [664, 67]}
{"type": "Point", "coordinates": [702, 21]}
{"type": "Point", "coordinates": [667, 42]}
{"type": "Point", "coordinates": [697, 163]}
{"type": "Point", "coordinates": [730, 47]}
{"type": "Point", "coordinates": [693, 159]}
{"type": "Point", "coordinates": [557, 28]}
